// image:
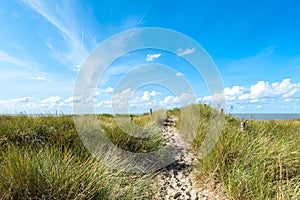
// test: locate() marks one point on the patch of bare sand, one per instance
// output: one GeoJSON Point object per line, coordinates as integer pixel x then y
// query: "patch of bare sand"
{"type": "Point", "coordinates": [177, 181]}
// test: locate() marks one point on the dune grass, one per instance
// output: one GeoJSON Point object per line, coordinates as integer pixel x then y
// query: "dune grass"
{"type": "Point", "coordinates": [43, 158]}
{"type": "Point", "coordinates": [140, 135]}
{"type": "Point", "coordinates": [262, 162]}
{"type": "Point", "coordinates": [54, 174]}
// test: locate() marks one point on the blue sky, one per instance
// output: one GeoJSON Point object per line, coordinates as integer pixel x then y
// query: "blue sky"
{"type": "Point", "coordinates": [254, 44]}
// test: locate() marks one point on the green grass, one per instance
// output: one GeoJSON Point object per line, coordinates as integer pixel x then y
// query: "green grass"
{"type": "Point", "coordinates": [44, 158]}
{"type": "Point", "coordinates": [54, 174]}
{"type": "Point", "coordinates": [139, 136]}
{"type": "Point", "coordinates": [262, 162]}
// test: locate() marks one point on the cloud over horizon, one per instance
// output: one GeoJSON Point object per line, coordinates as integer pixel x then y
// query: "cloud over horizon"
{"type": "Point", "coordinates": [261, 92]}
{"type": "Point", "coordinates": [256, 95]}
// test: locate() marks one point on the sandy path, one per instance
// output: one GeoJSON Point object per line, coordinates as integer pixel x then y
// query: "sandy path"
{"type": "Point", "coordinates": [177, 180]}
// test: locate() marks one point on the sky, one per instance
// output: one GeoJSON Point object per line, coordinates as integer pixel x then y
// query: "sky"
{"type": "Point", "coordinates": [253, 43]}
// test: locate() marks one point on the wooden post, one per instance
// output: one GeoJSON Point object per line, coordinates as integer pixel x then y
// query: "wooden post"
{"type": "Point", "coordinates": [243, 126]}
{"type": "Point", "coordinates": [131, 118]}
{"type": "Point", "coordinates": [150, 112]}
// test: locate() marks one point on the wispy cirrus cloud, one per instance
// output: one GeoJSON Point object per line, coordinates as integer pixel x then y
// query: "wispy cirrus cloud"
{"type": "Point", "coordinates": [19, 66]}
{"type": "Point", "coordinates": [62, 17]}
{"type": "Point", "coordinates": [14, 60]}
{"type": "Point", "coordinates": [5, 57]}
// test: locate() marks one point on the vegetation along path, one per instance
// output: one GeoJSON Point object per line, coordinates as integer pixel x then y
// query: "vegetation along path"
{"type": "Point", "coordinates": [177, 180]}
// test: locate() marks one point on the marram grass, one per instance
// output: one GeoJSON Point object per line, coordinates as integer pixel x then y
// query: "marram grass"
{"type": "Point", "coordinates": [50, 173]}
{"type": "Point", "coordinates": [44, 158]}
{"type": "Point", "coordinates": [262, 162]}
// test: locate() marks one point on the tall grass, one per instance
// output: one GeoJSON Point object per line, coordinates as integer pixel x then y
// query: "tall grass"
{"type": "Point", "coordinates": [140, 135]}
{"type": "Point", "coordinates": [54, 174]}
{"type": "Point", "coordinates": [44, 158]}
{"type": "Point", "coordinates": [262, 162]}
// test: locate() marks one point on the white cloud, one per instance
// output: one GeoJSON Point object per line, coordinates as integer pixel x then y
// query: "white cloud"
{"type": "Point", "coordinates": [104, 104]}
{"type": "Point", "coordinates": [205, 99]}
{"type": "Point", "coordinates": [183, 100]}
{"type": "Point", "coordinates": [39, 78]}
{"type": "Point", "coordinates": [168, 100]}
{"type": "Point", "coordinates": [187, 98]}
{"type": "Point", "coordinates": [182, 52]}
{"type": "Point", "coordinates": [147, 95]}
{"type": "Point", "coordinates": [178, 74]}
{"type": "Point", "coordinates": [151, 57]}
{"type": "Point", "coordinates": [121, 100]}
{"type": "Point", "coordinates": [16, 100]}
{"type": "Point", "coordinates": [53, 99]}
{"type": "Point", "coordinates": [261, 91]}
{"type": "Point", "coordinates": [52, 103]}
{"type": "Point", "coordinates": [236, 92]}
{"type": "Point", "coordinates": [22, 99]}
{"type": "Point", "coordinates": [260, 95]}
{"type": "Point", "coordinates": [242, 97]}
{"type": "Point", "coordinates": [254, 101]}
{"type": "Point", "coordinates": [284, 89]}
{"type": "Point", "coordinates": [217, 100]}
{"type": "Point", "coordinates": [154, 93]}
{"type": "Point", "coordinates": [127, 99]}
{"type": "Point", "coordinates": [108, 89]}
{"type": "Point", "coordinates": [72, 99]}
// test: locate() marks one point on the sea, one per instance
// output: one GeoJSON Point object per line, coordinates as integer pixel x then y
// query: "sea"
{"type": "Point", "coordinates": [267, 116]}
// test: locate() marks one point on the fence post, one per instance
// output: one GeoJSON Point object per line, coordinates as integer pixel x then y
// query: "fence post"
{"type": "Point", "coordinates": [150, 112]}
{"type": "Point", "coordinates": [131, 118]}
{"type": "Point", "coordinates": [243, 126]}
